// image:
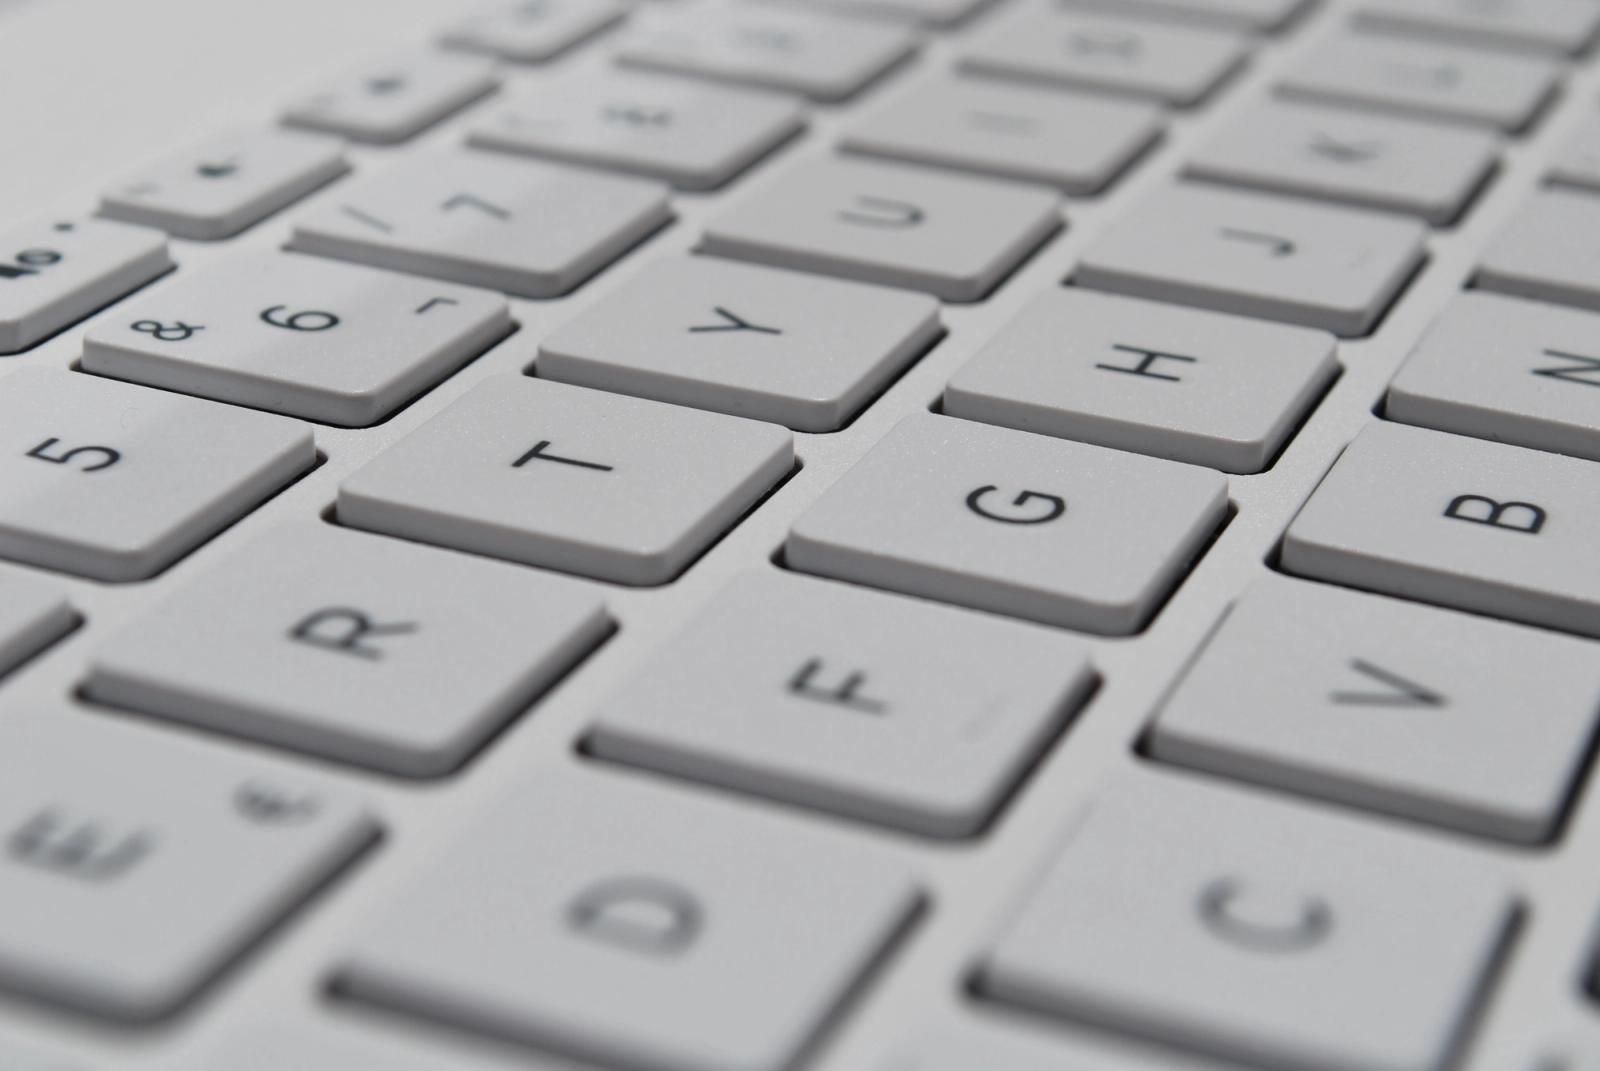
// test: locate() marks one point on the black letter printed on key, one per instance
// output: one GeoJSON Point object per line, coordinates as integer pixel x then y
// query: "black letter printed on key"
{"type": "Point", "coordinates": [1512, 516]}
{"type": "Point", "coordinates": [346, 631]}
{"type": "Point", "coordinates": [1148, 360]}
{"type": "Point", "coordinates": [847, 693]}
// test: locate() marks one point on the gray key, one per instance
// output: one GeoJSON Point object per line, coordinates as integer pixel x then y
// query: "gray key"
{"type": "Point", "coordinates": [397, 99]}
{"type": "Point", "coordinates": [1556, 27]}
{"type": "Point", "coordinates": [1255, 16]}
{"type": "Point", "coordinates": [1502, 368]}
{"type": "Point", "coordinates": [1178, 383]}
{"type": "Point", "coordinates": [754, 342]}
{"type": "Point", "coordinates": [220, 187]}
{"type": "Point", "coordinates": [291, 1046]}
{"type": "Point", "coordinates": [1370, 161]}
{"type": "Point", "coordinates": [527, 228]}
{"type": "Point", "coordinates": [533, 31]}
{"type": "Point", "coordinates": [1077, 143]}
{"type": "Point", "coordinates": [1578, 162]}
{"type": "Point", "coordinates": [117, 482]}
{"type": "Point", "coordinates": [1040, 43]}
{"type": "Point", "coordinates": [826, 59]}
{"type": "Point", "coordinates": [297, 335]}
{"type": "Point", "coordinates": [878, 708]}
{"type": "Point", "coordinates": [366, 650]}
{"type": "Point", "coordinates": [132, 882]}
{"type": "Point", "coordinates": [1016, 524]}
{"type": "Point", "coordinates": [571, 479]}
{"type": "Point", "coordinates": [58, 270]}
{"type": "Point", "coordinates": [693, 135]}
{"type": "Point", "coordinates": [952, 236]}
{"type": "Point", "coordinates": [670, 932]}
{"type": "Point", "coordinates": [1260, 933]}
{"type": "Point", "coordinates": [1369, 701]}
{"type": "Point", "coordinates": [1545, 250]}
{"type": "Point", "coordinates": [33, 615]}
{"type": "Point", "coordinates": [1475, 525]}
{"type": "Point", "coordinates": [935, 14]}
{"type": "Point", "coordinates": [1322, 266]}
{"type": "Point", "coordinates": [1432, 81]}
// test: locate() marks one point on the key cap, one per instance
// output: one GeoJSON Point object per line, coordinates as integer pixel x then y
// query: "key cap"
{"type": "Point", "coordinates": [1321, 266]}
{"type": "Point", "coordinates": [692, 135]}
{"type": "Point", "coordinates": [218, 188]}
{"type": "Point", "coordinates": [132, 883]}
{"type": "Point", "coordinates": [1016, 524]}
{"type": "Point", "coordinates": [1007, 1045]}
{"type": "Point", "coordinates": [754, 342]}
{"type": "Point", "coordinates": [534, 31]}
{"type": "Point", "coordinates": [1554, 27]}
{"type": "Point", "coordinates": [1578, 163]}
{"type": "Point", "coordinates": [530, 229]}
{"type": "Point", "coordinates": [56, 271]}
{"type": "Point", "coordinates": [397, 99]}
{"type": "Point", "coordinates": [1545, 251]}
{"type": "Point", "coordinates": [365, 650]}
{"type": "Point", "coordinates": [1431, 81]}
{"type": "Point", "coordinates": [116, 482]}
{"type": "Point", "coordinates": [310, 338]}
{"type": "Point", "coordinates": [1260, 933]}
{"type": "Point", "coordinates": [877, 708]}
{"type": "Point", "coordinates": [1369, 161]}
{"type": "Point", "coordinates": [934, 14]}
{"type": "Point", "coordinates": [952, 236]}
{"type": "Point", "coordinates": [1191, 386]}
{"type": "Point", "coordinates": [1058, 47]}
{"type": "Point", "coordinates": [1501, 368]}
{"type": "Point", "coordinates": [1369, 702]}
{"type": "Point", "coordinates": [33, 615]}
{"type": "Point", "coordinates": [1077, 144]}
{"type": "Point", "coordinates": [651, 915]}
{"type": "Point", "coordinates": [572, 479]}
{"type": "Point", "coordinates": [1478, 526]}
{"type": "Point", "coordinates": [1244, 16]}
{"type": "Point", "coordinates": [290, 1045]}
{"type": "Point", "coordinates": [826, 59]}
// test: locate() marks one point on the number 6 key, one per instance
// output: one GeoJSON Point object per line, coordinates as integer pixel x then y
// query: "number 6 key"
{"type": "Point", "coordinates": [334, 343]}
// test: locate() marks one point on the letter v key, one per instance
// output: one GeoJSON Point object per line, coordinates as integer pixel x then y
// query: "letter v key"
{"type": "Point", "coordinates": [1400, 691]}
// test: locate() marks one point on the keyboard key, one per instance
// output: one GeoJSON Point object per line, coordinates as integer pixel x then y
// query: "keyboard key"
{"type": "Point", "coordinates": [1546, 250]}
{"type": "Point", "coordinates": [754, 342]}
{"type": "Point", "coordinates": [343, 645]}
{"type": "Point", "coordinates": [1505, 369]}
{"type": "Point", "coordinates": [56, 271]}
{"type": "Point", "coordinates": [1475, 525]}
{"type": "Point", "coordinates": [826, 59]}
{"type": "Point", "coordinates": [297, 335]}
{"type": "Point", "coordinates": [1578, 162]}
{"type": "Point", "coordinates": [1016, 524]}
{"type": "Point", "coordinates": [33, 615]}
{"type": "Point", "coordinates": [217, 189]}
{"type": "Point", "coordinates": [1370, 161]}
{"type": "Point", "coordinates": [1369, 702]}
{"type": "Point", "coordinates": [1556, 27]}
{"type": "Point", "coordinates": [866, 705]}
{"type": "Point", "coordinates": [952, 236]}
{"type": "Point", "coordinates": [1432, 81]}
{"type": "Point", "coordinates": [651, 915]}
{"type": "Point", "coordinates": [1322, 266]}
{"type": "Point", "coordinates": [1191, 386]}
{"type": "Point", "coordinates": [533, 31]}
{"type": "Point", "coordinates": [1257, 16]}
{"type": "Point", "coordinates": [1261, 933]}
{"type": "Point", "coordinates": [1058, 47]}
{"type": "Point", "coordinates": [117, 482]}
{"type": "Point", "coordinates": [692, 135]}
{"type": "Point", "coordinates": [395, 100]}
{"type": "Point", "coordinates": [1077, 144]}
{"type": "Point", "coordinates": [934, 14]}
{"type": "Point", "coordinates": [572, 479]}
{"type": "Point", "coordinates": [526, 228]}
{"type": "Point", "coordinates": [290, 1046]}
{"type": "Point", "coordinates": [132, 882]}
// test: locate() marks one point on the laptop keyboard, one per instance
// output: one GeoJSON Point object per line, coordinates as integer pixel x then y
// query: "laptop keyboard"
{"type": "Point", "coordinates": [821, 535]}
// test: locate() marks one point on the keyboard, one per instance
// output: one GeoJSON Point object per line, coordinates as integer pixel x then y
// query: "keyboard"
{"type": "Point", "coordinates": [800, 535]}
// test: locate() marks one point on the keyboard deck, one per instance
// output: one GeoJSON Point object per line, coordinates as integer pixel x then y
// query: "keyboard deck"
{"type": "Point", "coordinates": [893, 670]}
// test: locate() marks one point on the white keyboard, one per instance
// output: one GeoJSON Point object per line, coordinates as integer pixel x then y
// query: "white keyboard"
{"type": "Point", "coordinates": [800, 535]}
